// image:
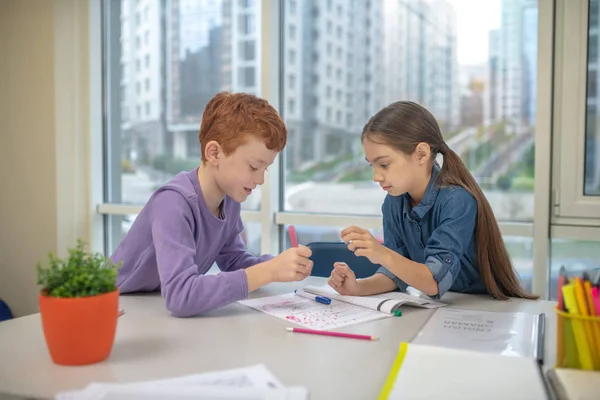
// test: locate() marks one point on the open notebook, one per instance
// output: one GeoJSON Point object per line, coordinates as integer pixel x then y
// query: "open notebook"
{"type": "Point", "coordinates": [385, 302]}
{"type": "Point", "coordinates": [426, 372]}
{"type": "Point", "coordinates": [343, 310]}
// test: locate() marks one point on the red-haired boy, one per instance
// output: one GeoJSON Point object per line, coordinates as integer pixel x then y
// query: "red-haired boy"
{"type": "Point", "coordinates": [194, 219]}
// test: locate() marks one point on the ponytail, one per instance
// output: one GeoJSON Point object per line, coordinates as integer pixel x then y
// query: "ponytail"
{"type": "Point", "coordinates": [500, 280]}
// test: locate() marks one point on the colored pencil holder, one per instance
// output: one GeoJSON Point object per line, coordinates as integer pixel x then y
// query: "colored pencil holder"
{"type": "Point", "coordinates": [577, 341]}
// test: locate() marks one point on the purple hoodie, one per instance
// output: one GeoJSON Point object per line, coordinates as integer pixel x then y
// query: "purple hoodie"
{"type": "Point", "coordinates": [173, 243]}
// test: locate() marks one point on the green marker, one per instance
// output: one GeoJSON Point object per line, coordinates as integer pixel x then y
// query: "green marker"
{"type": "Point", "coordinates": [397, 313]}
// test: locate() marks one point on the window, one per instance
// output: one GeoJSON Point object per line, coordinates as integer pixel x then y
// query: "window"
{"type": "Point", "coordinates": [479, 79]}
{"type": "Point", "coordinates": [577, 137]}
{"type": "Point", "coordinates": [576, 255]}
{"type": "Point", "coordinates": [486, 142]}
{"type": "Point", "coordinates": [147, 150]}
{"type": "Point", "coordinates": [247, 3]}
{"type": "Point", "coordinates": [450, 77]}
{"type": "Point", "coordinates": [248, 50]}
{"type": "Point", "coordinates": [592, 132]}
{"type": "Point", "coordinates": [246, 22]}
{"type": "Point", "coordinates": [247, 75]}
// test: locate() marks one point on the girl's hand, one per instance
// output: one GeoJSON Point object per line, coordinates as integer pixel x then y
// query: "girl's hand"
{"type": "Point", "coordinates": [343, 280]}
{"type": "Point", "coordinates": [363, 244]}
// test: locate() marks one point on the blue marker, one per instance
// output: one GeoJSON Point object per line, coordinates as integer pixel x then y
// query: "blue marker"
{"type": "Point", "coordinates": [318, 299]}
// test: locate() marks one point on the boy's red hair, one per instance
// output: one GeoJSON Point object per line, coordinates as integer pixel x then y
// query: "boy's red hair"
{"type": "Point", "coordinates": [229, 118]}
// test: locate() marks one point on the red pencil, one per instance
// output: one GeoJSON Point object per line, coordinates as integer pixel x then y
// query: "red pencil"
{"type": "Point", "coordinates": [327, 333]}
{"type": "Point", "coordinates": [293, 236]}
{"type": "Point", "coordinates": [561, 281]}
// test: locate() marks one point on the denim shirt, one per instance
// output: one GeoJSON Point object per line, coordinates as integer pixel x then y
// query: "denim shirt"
{"type": "Point", "coordinates": [438, 232]}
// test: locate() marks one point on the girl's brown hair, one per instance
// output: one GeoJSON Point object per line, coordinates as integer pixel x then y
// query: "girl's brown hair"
{"type": "Point", "coordinates": [403, 125]}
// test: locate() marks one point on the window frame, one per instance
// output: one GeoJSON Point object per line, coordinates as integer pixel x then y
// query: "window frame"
{"type": "Point", "coordinates": [569, 203]}
{"type": "Point", "coordinates": [272, 215]}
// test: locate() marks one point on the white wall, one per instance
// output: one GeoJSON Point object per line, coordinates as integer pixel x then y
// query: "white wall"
{"type": "Point", "coordinates": [43, 139]}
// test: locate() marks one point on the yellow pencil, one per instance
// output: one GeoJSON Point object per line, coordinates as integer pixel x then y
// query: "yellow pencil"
{"type": "Point", "coordinates": [583, 349]}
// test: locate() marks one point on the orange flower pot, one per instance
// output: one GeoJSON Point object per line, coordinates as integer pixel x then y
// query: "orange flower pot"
{"type": "Point", "coordinates": [79, 330]}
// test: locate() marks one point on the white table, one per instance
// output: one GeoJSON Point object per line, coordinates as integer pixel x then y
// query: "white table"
{"type": "Point", "coordinates": [150, 344]}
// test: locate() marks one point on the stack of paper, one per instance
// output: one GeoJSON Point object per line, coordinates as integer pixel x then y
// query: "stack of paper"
{"type": "Point", "coordinates": [574, 384]}
{"type": "Point", "coordinates": [256, 383]}
{"type": "Point", "coordinates": [425, 372]}
{"type": "Point", "coordinates": [512, 334]}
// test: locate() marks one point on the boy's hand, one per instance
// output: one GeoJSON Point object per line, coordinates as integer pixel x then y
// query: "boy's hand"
{"type": "Point", "coordinates": [362, 243]}
{"type": "Point", "coordinates": [292, 265]}
{"type": "Point", "coordinates": [343, 280]}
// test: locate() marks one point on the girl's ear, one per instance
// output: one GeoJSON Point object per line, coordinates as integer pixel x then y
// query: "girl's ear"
{"type": "Point", "coordinates": [212, 152]}
{"type": "Point", "coordinates": [423, 152]}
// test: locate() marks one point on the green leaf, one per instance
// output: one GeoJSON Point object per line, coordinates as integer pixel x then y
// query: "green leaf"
{"type": "Point", "coordinates": [80, 274]}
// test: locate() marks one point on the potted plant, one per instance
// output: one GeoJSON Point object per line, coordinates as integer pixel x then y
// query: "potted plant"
{"type": "Point", "coordinates": [79, 303]}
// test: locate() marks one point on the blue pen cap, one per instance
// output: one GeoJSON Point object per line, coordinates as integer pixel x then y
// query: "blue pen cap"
{"type": "Point", "coordinates": [323, 300]}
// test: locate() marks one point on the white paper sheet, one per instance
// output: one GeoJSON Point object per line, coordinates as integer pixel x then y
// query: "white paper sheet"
{"type": "Point", "coordinates": [512, 334]}
{"type": "Point", "coordinates": [194, 392]}
{"type": "Point", "coordinates": [308, 313]}
{"type": "Point", "coordinates": [254, 377]}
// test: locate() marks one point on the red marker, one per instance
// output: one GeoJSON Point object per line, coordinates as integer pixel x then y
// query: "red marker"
{"type": "Point", "coordinates": [293, 236]}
